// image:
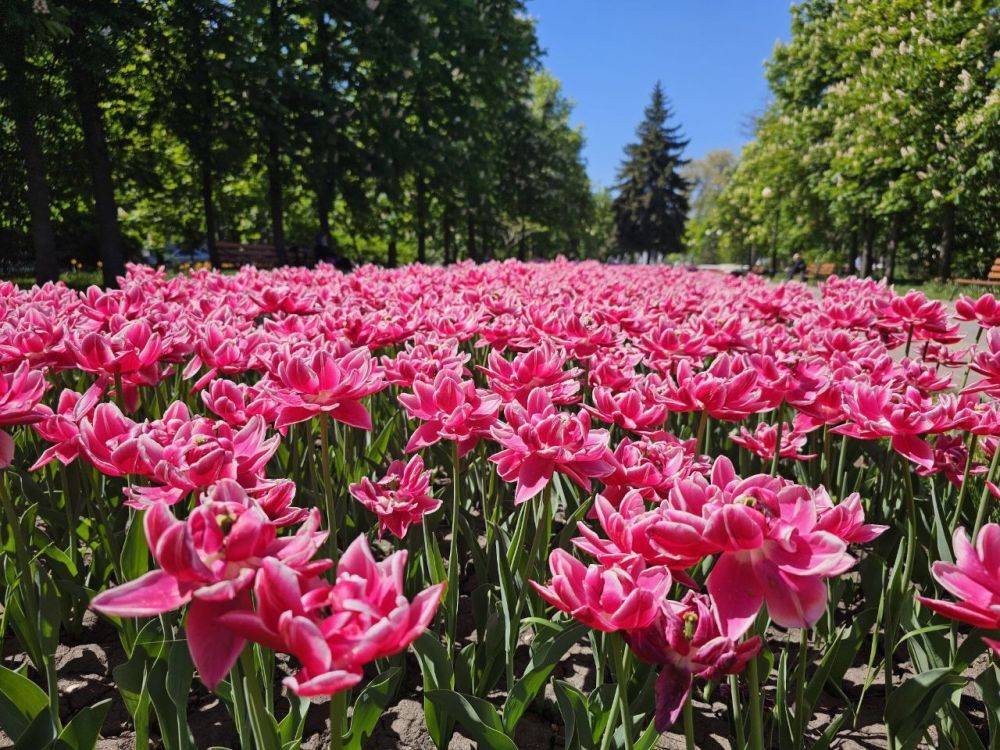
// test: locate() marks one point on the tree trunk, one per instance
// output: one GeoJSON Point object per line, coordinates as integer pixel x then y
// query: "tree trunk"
{"type": "Point", "coordinates": [391, 259]}
{"type": "Point", "coordinates": [852, 254]}
{"type": "Point", "coordinates": [275, 187]}
{"type": "Point", "coordinates": [421, 221]}
{"type": "Point", "coordinates": [891, 248]}
{"type": "Point", "coordinates": [947, 241]}
{"type": "Point", "coordinates": [470, 225]}
{"type": "Point", "coordinates": [446, 236]}
{"type": "Point", "coordinates": [23, 114]}
{"type": "Point", "coordinates": [208, 202]}
{"type": "Point", "coordinates": [866, 252]}
{"type": "Point", "coordinates": [105, 206]}
{"type": "Point", "coordinates": [324, 203]}
{"type": "Point", "coordinates": [274, 196]}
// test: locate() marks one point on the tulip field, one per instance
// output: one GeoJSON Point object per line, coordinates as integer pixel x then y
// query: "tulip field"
{"type": "Point", "coordinates": [511, 505]}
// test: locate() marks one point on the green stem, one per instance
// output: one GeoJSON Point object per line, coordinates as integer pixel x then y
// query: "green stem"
{"type": "Point", "coordinates": [777, 444]}
{"type": "Point", "coordinates": [338, 716]}
{"type": "Point", "coordinates": [327, 480]}
{"type": "Point", "coordinates": [609, 728]}
{"type": "Point", "coordinates": [801, 720]}
{"type": "Point", "coordinates": [702, 424]}
{"type": "Point", "coordinates": [984, 498]}
{"type": "Point", "coordinates": [619, 664]}
{"type": "Point", "coordinates": [689, 724]}
{"type": "Point", "coordinates": [456, 499]}
{"type": "Point", "coordinates": [911, 525]}
{"type": "Point", "coordinates": [734, 690]}
{"type": "Point", "coordinates": [756, 717]}
{"type": "Point", "coordinates": [841, 466]}
{"type": "Point", "coordinates": [963, 490]}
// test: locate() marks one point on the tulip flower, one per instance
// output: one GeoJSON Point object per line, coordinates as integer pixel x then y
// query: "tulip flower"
{"type": "Point", "coordinates": [323, 383]}
{"type": "Point", "coordinates": [985, 310]}
{"type": "Point", "coordinates": [607, 598]}
{"type": "Point", "coordinates": [687, 639]}
{"type": "Point", "coordinates": [539, 440]}
{"type": "Point", "coordinates": [209, 562]}
{"type": "Point", "coordinates": [334, 630]}
{"type": "Point", "coordinates": [400, 498]}
{"type": "Point", "coordinates": [541, 367]}
{"type": "Point", "coordinates": [974, 580]}
{"type": "Point", "coordinates": [62, 426]}
{"type": "Point", "coordinates": [451, 409]}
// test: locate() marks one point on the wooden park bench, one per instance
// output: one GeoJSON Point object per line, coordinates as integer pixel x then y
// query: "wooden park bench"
{"type": "Point", "coordinates": [992, 278]}
{"type": "Point", "coordinates": [236, 254]}
{"type": "Point", "coordinates": [822, 270]}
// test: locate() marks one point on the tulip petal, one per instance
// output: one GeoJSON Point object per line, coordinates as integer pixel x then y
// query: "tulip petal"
{"type": "Point", "coordinates": [152, 594]}
{"type": "Point", "coordinates": [214, 649]}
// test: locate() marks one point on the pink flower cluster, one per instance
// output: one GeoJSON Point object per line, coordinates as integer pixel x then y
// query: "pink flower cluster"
{"type": "Point", "coordinates": [773, 542]}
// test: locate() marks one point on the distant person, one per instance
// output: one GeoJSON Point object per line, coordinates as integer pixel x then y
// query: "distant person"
{"type": "Point", "coordinates": [798, 268]}
{"type": "Point", "coordinates": [321, 250]}
{"type": "Point", "coordinates": [341, 262]}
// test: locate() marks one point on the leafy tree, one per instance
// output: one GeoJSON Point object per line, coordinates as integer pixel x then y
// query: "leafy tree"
{"type": "Point", "coordinates": [651, 206]}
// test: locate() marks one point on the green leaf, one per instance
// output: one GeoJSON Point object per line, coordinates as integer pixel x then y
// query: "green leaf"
{"type": "Point", "coordinates": [543, 661]}
{"type": "Point", "coordinates": [477, 716]}
{"type": "Point", "coordinates": [829, 734]}
{"type": "Point", "coordinates": [970, 738]}
{"type": "Point", "coordinates": [38, 734]}
{"type": "Point", "coordinates": [371, 703]}
{"type": "Point", "coordinates": [21, 701]}
{"type": "Point", "coordinates": [134, 560]}
{"type": "Point", "coordinates": [438, 672]}
{"type": "Point", "coordinates": [911, 707]}
{"type": "Point", "coordinates": [83, 730]}
{"type": "Point", "coordinates": [575, 715]}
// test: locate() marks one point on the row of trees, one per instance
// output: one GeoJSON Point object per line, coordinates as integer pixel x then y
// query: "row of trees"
{"type": "Point", "coordinates": [404, 130]}
{"type": "Point", "coordinates": [881, 145]}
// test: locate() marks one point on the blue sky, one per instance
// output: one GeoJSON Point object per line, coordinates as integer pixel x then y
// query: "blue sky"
{"type": "Point", "coordinates": [709, 54]}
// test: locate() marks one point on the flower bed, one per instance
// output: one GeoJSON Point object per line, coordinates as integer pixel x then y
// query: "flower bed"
{"type": "Point", "coordinates": [602, 502]}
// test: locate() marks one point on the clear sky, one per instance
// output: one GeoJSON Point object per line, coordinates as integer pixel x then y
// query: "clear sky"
{"type": "Point", "coordinates": [709, 54]}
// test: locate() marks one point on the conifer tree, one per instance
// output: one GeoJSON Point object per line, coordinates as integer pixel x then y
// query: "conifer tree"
{"type": "Point", "coordinates": [651, 206]}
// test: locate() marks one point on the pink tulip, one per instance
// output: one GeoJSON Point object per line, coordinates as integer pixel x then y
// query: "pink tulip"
{"type": "Point", "coordinates": [539, 440]}
{"type": "Point", "coordinates": [606, 598]}
{"type": "Point", "coordinates": [633, 409]}
{"type": "Point", "coordinates": [324, 383]}
{"type": "Point", "coordinates": [400, 498]}
{"type": "Point", "coordinates": [985, 310]}
{"type": "Point", "coordinates": [774, 550]}
{"type": "Point", "coordinates": [21, 392]}
{"type": "Point", "coordinates": [664, 536]}
{"type": "Point", "coordinates": [879, 411]}
{"type": "Point", "coordinates": [451, 409]}
{"type": "Point", "coordinates": [974, 580]}
{"type": "Point", "coordinates": [62, 426]}
{"type": "Point", "coordinates": [129, 346]}
{"type": "Point", "coordinates": [209, 562]}
{"type": "Point", "coordinates": [422, 361]}
{"type": "Point", "coordinates": [913, 315]}
{"type": "Point", "coordinates": [541, 367]}
{"type": "Point", "coordinates": [334, 630]}
{"type": "Point", "coordinates": [687, 639]}
{"type": "Point", "coordinates": [728, 389]}
{"type": "Point", "coordinates": [762, 441]}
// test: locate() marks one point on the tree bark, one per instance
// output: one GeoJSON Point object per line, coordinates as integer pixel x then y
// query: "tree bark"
{"type": "Point", "coordinates": [392, 259]}
{"type": "Point", "coordinates": [470, 226]}
{"type": "Point", "coordinates": [852, 254]}
{"type": "Point", "coordinates": [891, 248]}
{"type": "Point", "coordinates": [866, 252]}
{"type": "Point", "coordinates": [274, 177]}
{"type": "Point", "coordinates": [446, 236]}
{"type": "Point", "coordinates": [105, 206]}
{"type": "Point", "coordinates": [421, 221]}
{"type": "Point", "coordinates": [23, 113]}
{"type": "Point", "coordinates": [208, 203]}
{"type": "Point", "coordinates": [947, 241]}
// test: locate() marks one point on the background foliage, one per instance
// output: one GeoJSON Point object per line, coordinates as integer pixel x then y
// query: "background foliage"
{"type": "Point", "coordinates": [882, 142]}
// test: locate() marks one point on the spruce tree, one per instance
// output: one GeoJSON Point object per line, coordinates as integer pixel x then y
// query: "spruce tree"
{"type": "Point", "coordinates": [651, 206]}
